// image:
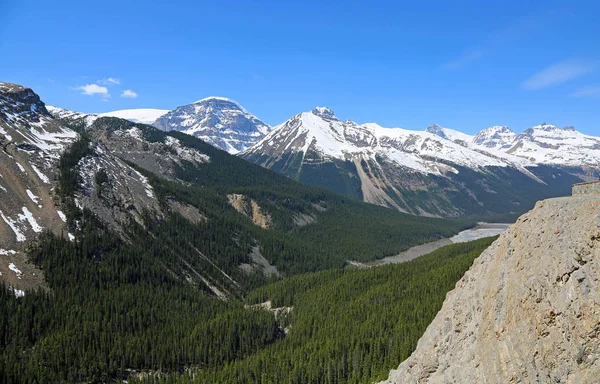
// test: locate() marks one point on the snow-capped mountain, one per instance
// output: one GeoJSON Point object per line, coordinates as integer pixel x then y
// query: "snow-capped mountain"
{"type": "Point", "coordinates": [430, 152]}
{"type": "Point", "coordinates": [450, 134]}
{"type": "Point", "coordinates": [548, 144]}
{"type": "Point", "coordinates": [219, 121]}
{"type": "Point", "coordinates": [496, 137]}
{"type": "Point", "coordinates": [435, 171]}
{"type": "Point", "coordinates": [140, 115]}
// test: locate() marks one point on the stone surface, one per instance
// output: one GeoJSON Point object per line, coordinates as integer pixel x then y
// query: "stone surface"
{"type": "Point", "coordinates": [589, 188]}
{"type": "Point", "coordinates": [528, 310]}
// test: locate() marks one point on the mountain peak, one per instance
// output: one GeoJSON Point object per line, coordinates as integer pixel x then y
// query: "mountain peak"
{"type": "Point", "coordinates": [219, 100]}
{"type": "Point", "coordinates": [449, 134]}
{"type": "Point", "coordinates": [324, 113]}
{"type": "Point", "coordinates": [436, 129]}
{"type": "Point", "coordinates": [216, 98]}
{"type": "Point", "coordinates": [497, 136]}
{"type": "Point", "coordinates": [20, 103]}
{"type": "Point", "coordinates": [551, 128]}
{"type": "Point", "coordinates": [554, 128]}
{"type": "Point", "coordinates": [219, 121]}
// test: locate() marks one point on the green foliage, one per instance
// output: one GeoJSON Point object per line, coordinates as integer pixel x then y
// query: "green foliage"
{"type": "Point", "coordinates": [100, 178]}
{"type": "Point", "coordinates": [112, 307]}
{"type": "Point", "coordinates": [142, 300]}
{"type": "Point", "coordinates": [69, 180]}
{"type": "Point", "coordinates": [347, 326]}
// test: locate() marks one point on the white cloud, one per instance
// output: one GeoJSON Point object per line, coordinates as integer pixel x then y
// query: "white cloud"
{"type": "Point", "coordinates": [109, 81]}
{"type": "Point", "coordinates": [557, 74]}
{"type": "Point", "coordinates": [586, 92]}
{"type": "Point", "coordinates": [94, 89]}
{"type": "Point", "coordinates": [128, 93]}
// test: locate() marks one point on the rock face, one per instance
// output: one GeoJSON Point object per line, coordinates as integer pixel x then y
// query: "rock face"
{"type": "Point", "coordinates": [527, 311]}
{"type": "Point", "coordinates": [31, 142]}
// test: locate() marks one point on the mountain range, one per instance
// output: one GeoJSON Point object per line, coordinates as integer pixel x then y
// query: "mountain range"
{"type": "Point", "coordinates": [139, 252]}
{"type": "Point", "coordinates": [58, 167]}
{"type": "Point", "coordinates": [435, 172]}
{"type": "Point", "coordinates": [438, 171]}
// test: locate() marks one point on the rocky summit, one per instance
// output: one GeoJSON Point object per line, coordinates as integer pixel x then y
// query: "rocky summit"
{"type": "Point", "coordinates": [219, 121]}
{"type": "Point", "coordinates": [437, 172]}
{"type": "Point", "coordinates": [527, 311]}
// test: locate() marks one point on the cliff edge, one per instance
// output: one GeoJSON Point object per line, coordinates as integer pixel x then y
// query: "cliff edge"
{"type": "Point", "coordinates": [528, 310]}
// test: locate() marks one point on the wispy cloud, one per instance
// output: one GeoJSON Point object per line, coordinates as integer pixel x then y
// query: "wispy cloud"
{"type": "Point", "coordinates": [512, 31]}
{"type": "Point", "coordinates": [557, 74]}
{"type": "Point", "coordinates": [109, 81]}
{"type": "Point", "coordinates": [593, 91]}
{"type": "Point", "coordinates": [94, 89]}
{"type": "Point", "coordinates": [128, 93]}
{"type": "Point", "coordinates": [464, 59]}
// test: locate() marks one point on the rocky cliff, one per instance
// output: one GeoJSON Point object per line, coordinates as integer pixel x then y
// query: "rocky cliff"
{"type": "Point", "coordinates": [528, 310]}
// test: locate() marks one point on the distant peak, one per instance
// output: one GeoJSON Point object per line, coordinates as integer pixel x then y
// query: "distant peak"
{"type": "Point", "coordinates": [10, 87]}
{"type": "Point", "coordinates": [546, 127]}
{"type": "Point", "coordinates": [497, 128]}
{"type": "Point", "coordinates": [436, 129]}
{"type": "Point", "coordinates": [496, 136]}
{"type": "Point", "coordinates": [216, 98]}
{"type": "Point", "coordinates": [324, 113]}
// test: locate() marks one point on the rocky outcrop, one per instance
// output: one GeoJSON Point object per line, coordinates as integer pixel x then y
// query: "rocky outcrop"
{"type": "Point", "coordinates": [250, 208]}
{"type": "Point", "coordinates": [31, 142]}
{"type": "Point", "coordinates": [527, 311]}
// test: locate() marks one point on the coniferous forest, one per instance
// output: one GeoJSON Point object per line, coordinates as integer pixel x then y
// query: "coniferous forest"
{"type": "Point", "coordinates": [346, 326]}
{"type": "Point", "coordinates": [139, 305]}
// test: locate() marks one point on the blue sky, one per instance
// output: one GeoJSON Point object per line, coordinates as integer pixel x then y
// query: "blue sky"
{"type": "Point", "coordinates": [462, 64]}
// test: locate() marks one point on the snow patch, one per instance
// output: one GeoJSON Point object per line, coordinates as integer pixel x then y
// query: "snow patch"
{"type": "Point", "coordinates": [13, 226]}
{"type": "Point", "coordinates": [62, 216]}
{"type": "Point", "coordinates": [33, 197]}
{"type": "Point", "coordinates": [16, 270]}
{"type": "Point", "coordinates": [3, 132]}
{"type": "Point", "coordinates": [42, 177]}
{"type": "Point", "coordinates": [27, 215]}
{"type": "Point", "coordinates": [147, 186]}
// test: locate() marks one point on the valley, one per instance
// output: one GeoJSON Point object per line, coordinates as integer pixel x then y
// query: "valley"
{"type": "Point", "coordinates": [191, 264]}
{"type": "Point", "coordinates": [480, 231]}
{"type": "Point", "coordinates": [438, 172]}
{"type": "Point", "coordinates": [145, 245]}
{"type": "Point", "coordinates": [299, 192]}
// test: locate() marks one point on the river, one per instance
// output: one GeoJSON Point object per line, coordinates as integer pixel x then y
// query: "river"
{"type": "Point", "coordinates": [480, 231]}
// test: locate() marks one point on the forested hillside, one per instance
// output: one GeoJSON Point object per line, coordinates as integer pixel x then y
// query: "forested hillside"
{"type": "Point", "coordinates": [312, 229]}
{"type": "Point", "coordinates": [155, 262]}
{"type": "Point", "coordinates": [114, 309]}
{"type": "Point", "coordinates": [346, 326]}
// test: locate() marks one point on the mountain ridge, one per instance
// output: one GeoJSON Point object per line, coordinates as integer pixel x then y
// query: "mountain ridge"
{"type": "Point", "coordinates": [56, 171]}
{"type": "Point", "coordinates": [433, 172]}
